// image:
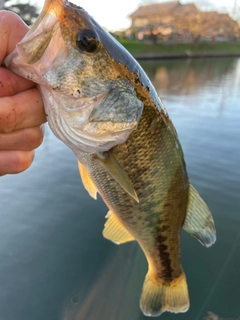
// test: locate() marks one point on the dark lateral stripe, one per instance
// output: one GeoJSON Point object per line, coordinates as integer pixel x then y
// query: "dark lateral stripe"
{"type": "Point", "coordinates": [167, 271]}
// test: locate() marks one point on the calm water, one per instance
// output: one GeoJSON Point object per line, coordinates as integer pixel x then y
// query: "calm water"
{"type": "Point", "coordinates": [54, 262]}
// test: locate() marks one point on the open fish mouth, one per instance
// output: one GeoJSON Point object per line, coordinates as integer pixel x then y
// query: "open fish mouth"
{"type": "Point", "coordinates": [31, 59]}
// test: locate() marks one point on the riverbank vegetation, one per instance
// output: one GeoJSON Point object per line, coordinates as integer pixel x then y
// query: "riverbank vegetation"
{"type": "Point", "coordinates": [140, 47]}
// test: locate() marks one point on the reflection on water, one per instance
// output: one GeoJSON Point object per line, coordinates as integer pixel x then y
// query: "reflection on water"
{"type": "Point", "coordinates": [213, 316]}
{"type": "Point", "coordinates": [54, 262]}
{"type": "Point", "coordinates": [186, 77]}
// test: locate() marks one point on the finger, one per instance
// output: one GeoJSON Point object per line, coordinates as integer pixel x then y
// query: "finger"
{"type": "Point", "coordinates": [21, 111]}
{"type": "Point", "coordinates": [15, 161]}
{"type": "Point", "coordinates": [11, 83]}
{"type": "Point", "coordinates": [12, 30]}
{"type": "Point", "coordinates": [25, 139]}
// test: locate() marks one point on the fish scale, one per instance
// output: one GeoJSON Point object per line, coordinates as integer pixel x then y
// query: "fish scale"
{"type": "Point", "coordinates": [155, 210]}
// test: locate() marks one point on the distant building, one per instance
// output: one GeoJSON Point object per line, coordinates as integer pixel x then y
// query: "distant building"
{"type": "Point", "coordinates": [175, 21]}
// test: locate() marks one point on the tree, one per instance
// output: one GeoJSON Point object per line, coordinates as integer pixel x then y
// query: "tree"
{"type": "Point", "coordinates": [146, 2]}
{"type": "Point", "coordinates": [1, 4]}
{"type": "Point", "coordinates": [205, 5]}
{"type": "Point", "coordinates": [236, 11]}
{"type": "Point", "coordinates": [26, 11]}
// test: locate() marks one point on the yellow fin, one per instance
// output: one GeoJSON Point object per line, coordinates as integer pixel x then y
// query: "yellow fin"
{"type": "Point", "coordinates": [87, 181]}
{"type": "Point", "coordinates": [112, 166]}
{"type": "Point", "coordinates": [158, 296]}
{"type": "Point", "coordinates": [199, 221]}
{"type": "Point", "coordinates": [114, 230]}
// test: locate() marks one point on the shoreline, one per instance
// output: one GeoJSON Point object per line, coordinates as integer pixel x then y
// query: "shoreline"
{"type": "Point", "coordinates": [181, 50]}
{"type": "Point", "coordinates": [187, 55]}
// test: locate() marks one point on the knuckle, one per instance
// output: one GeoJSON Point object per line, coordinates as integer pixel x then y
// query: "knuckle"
{"type": "Point", "coordinates": [6, 15]}
{"type": "Point", "coordinates": [12, 162]}
{"type": "Point", "coordinates": [40, 139]}
{"type": "Point", "coordinates": [21, 161]}
{"type": "Point", "coordinates": [34, 138]}
{"type": "Point", "coordinates": [8, 118]}
{"type": "Point", "coordinates": [7, 19]}
{"type": "Point", "coordinates": [7, 82]}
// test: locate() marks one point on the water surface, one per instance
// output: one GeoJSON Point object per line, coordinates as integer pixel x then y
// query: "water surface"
{"type": "Point", "coordinates": [54, 262]}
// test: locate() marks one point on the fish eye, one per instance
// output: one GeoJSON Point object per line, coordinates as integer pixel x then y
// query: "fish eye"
{"type": "Point", "coordinates": [86, 40]}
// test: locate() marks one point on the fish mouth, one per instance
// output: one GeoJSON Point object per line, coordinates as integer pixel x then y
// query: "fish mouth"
{"type": "Point", "coordinates": [32, 58]}
{"type": "Point", "coordinates": [53, 8]}
{"type": "Point", "coordinates": [56, 9]}
{"type": "Point", "coordinates": [32, 47]}
{"type": "Point", "coordinates": [35, 43]}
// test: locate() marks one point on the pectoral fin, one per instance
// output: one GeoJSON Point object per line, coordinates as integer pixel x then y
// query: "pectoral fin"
{"type": "Point", "coordinates": [112, 166]}
{"type": "Point", "coordinates": [114, 230]}
{"type": "Point", "coordinates": [87, 181]}
{"type": "Point", "coordinates": [199, 221]}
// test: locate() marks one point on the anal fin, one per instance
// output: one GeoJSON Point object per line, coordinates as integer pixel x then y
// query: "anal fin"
{"type": "Point", "coordinates": [115, 231]}
{"type": "Point", "coordinates": [199, 221]}
{"type": "Point", "coordinates": [87, 181]}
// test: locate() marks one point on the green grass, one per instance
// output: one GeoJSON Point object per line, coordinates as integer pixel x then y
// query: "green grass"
{"type": "Point", "coordinates": [139, 47]}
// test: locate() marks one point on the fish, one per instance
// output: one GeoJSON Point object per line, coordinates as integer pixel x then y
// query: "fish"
{"type": "Point", "coordinates": [101, 104]}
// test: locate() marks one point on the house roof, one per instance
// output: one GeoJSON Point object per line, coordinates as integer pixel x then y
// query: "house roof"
{"type": "Point", "coordinates": [164, 7]}
{"type": "Point", "coordinates": [154, 8]}
{"type": "Point", "coordinates": [185, 17]}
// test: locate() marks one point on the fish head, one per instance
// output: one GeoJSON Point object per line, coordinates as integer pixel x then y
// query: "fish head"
{"type": "Point", "coordinates": [90, 103]}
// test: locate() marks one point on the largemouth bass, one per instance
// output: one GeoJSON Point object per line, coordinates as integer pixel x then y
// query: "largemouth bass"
{"type": "Point", "coordinates": [101, 104]}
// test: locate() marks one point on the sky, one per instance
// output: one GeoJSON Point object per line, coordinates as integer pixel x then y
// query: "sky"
{"type": "Point", "coordinates": [113, 15]}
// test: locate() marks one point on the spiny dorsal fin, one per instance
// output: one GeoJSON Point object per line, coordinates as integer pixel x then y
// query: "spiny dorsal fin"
{"type": "Point", "coordinates": [112, 166]}
{"type": "Point", "coordinates": [114, 230]}
{"type": "Point", "coordinates": [199, 221]}
{"type": "Point", "coordinates": [87, 181]}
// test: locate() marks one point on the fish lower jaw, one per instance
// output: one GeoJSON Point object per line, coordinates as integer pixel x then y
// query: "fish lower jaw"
{"type": "Point", "coordinates": [81, 141]}
{"type": "Point", "coordinates": [88, 137]}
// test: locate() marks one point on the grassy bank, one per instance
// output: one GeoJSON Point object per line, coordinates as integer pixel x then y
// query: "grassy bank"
{"type": "Point", "coordinates": [138, 47]}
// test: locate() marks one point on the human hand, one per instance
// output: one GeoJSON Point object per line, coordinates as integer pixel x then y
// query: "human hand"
{"type": "Point", "coordinates": [21, 106]}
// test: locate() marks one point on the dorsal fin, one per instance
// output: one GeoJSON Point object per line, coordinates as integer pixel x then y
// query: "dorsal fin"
{"type": "Point", "coordinates": [113, 167]}
{"type": "Point", "coordinates": [87, 181]}
{"type": "Point", "coordinates": [115, 231]}
{"type": "Point", "coordinates": [199, 221]}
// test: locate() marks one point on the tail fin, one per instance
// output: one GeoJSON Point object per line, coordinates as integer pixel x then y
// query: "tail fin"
{"type": "Point", "coordinates": [158, 297]}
